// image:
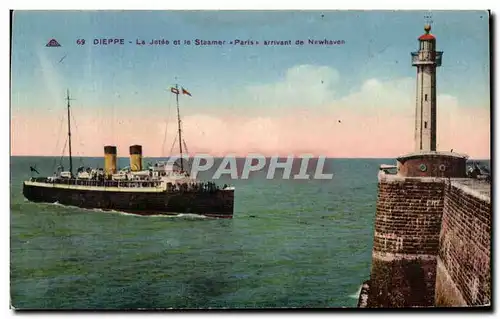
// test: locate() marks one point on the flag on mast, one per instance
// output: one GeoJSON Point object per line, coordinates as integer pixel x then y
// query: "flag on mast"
{"type": "Point", "coordinates": [174, 90]}
{"type": "Point", "coordinates": [184, 91]}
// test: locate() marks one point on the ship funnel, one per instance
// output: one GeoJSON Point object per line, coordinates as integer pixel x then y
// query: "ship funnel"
{"type": "Point", "coordinates": [109, 160]}
{"type": "Point", "coordinates": [136, 158]}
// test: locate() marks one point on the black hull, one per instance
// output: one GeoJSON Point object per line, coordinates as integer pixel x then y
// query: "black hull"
{"type": "Point", "coordinates": [218, 203]}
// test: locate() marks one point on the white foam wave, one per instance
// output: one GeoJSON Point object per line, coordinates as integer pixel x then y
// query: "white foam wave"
{"type": "Point", "coordinates": [194, 216]}
{"type": "Point", "coordinates": [61, 205]}
{"type": "Point", "coordinates": [100, 210]}
{"type": "Point", "coordinates": [356, 295]}
{"type": "Point", "coordinates": [185, 216]}
{"type": "Point", "coordinates": [97, 210]}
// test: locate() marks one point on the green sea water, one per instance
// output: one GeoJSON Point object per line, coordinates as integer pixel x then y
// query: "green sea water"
{"type": "Point", "coordinates": [290, 244]}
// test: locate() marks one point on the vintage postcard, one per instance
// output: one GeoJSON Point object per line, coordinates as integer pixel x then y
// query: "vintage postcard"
{"type": "Point", "coordinates": [250, 159]}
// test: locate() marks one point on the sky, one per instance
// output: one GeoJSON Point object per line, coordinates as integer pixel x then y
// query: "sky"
{"type": "Point", "coordinates": [355, 99]}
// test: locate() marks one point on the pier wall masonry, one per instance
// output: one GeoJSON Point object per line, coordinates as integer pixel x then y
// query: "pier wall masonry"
{"type": "Point", "coordinates": [431, 243]}
{"type": "Point", "coordinates": [463, 273]}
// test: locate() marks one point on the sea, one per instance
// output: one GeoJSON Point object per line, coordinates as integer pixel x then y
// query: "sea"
{"type": "Point", "coordinates": [291, 244]}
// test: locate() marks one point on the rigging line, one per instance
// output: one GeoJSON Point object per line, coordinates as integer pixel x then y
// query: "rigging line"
{"type": "Point", "coordinates": [57, 142]}
{"type": "Point", "coordinates": [59, 132]}
{"type": "Point", "coordinates": [64, 149]}
{"type": "Point", "coordinates": [187, 153]}
{"type": "Point", "coordinates": [166, 126]}
{"type": "Point", "coordinates": [185, 146]}
{"type": "Point", "coordinates": [78, 138]}
{"type": "Point", "coordinates": [173, 144]}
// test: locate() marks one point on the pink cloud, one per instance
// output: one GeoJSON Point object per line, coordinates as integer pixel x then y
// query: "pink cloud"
{"type": "Point", "coordinates": [296, 115]}
{"type": "Point", "coordinates": [356, 135]}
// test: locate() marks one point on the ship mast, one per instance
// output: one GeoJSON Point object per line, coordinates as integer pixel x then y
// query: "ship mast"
{"type": "Point", "coordinates": [69, 135]}
{"type": "Point", "coordinates": [179, 124]}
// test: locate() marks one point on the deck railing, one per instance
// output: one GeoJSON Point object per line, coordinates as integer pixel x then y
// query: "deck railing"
{"type": "Point", "coordinates": [100, 183]}
{"type": "Point", "coordinates": [185, 187]}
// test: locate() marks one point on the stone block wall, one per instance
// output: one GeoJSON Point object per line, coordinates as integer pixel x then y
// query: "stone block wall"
{"type": "Point", "coordinates": [464, 251]}
{"type": "Point", "coordinates": [431, 244]}
{"type": "Point", "coordinates": [406, 241]}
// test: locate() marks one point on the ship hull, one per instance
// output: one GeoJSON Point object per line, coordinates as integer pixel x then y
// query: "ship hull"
{"type": "Point", "coordinates": [217, 204]}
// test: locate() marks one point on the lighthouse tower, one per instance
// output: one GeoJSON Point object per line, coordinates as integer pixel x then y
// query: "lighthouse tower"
{"type": "Point", "coordinates": [426, 59]}
{"type": "Point", "coordinates": [426, 161]}
{"type": "Point", "coordinates": [410, 203]}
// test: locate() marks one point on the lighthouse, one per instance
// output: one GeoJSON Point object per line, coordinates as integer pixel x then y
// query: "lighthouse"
{"type": "Point", "coordinates": [426, 160]}
{"type": "Point", "coordinates": [426, 59]}
{"type": "Point", "coordinates": [417, 208]}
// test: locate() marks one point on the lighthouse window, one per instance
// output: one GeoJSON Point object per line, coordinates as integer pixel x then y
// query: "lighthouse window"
{"type": "Point", "coordinates": [425, 124]}
{"type": "Point", "coordinates": [425, 97]}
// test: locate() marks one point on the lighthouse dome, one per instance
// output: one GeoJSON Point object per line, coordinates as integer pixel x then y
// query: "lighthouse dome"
{"type": "Point", "coordinates": [427, 36]}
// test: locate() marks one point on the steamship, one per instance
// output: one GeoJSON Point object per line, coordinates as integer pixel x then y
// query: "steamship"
{"type": "Point", "coordinates": [160, 189]}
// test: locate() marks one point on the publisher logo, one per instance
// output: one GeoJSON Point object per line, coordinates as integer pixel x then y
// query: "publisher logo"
{"type": "Point", "coordinates": [53, 43]}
